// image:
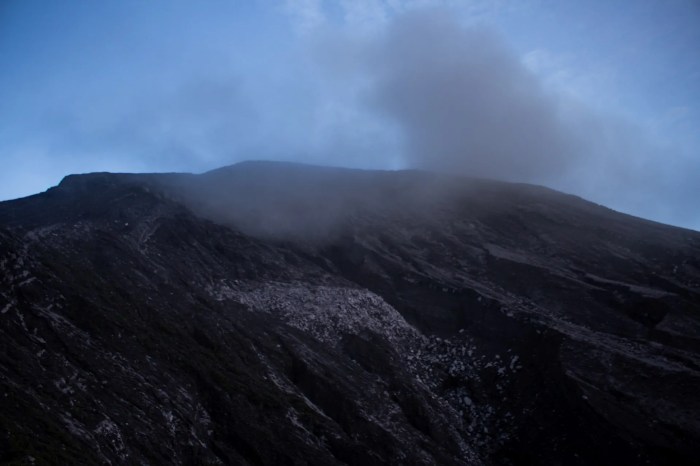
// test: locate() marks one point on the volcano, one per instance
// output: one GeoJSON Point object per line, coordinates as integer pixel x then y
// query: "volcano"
{"type": "Point", "coordinates": [281, 314]}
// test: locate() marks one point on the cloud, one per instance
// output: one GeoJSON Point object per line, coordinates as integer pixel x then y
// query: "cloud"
{"type": "Point", "coordinates": [306, 15]}
{"type": "Point", "coordinates": [464, 102]}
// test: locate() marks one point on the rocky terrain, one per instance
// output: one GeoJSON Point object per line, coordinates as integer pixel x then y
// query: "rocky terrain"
{"type": "Point", "coordinates": [278, 314]}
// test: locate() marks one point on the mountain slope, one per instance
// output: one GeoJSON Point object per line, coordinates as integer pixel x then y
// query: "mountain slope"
{"type": "Point", "coordinates": [270, 313]}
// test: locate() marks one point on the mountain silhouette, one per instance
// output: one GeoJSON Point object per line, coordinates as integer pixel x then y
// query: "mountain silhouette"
{"type": "Point", "coordinates": [281, 314]}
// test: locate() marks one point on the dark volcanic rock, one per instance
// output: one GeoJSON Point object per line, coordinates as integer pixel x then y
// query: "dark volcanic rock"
{"type": "Point", "coordinates": [282, 314]}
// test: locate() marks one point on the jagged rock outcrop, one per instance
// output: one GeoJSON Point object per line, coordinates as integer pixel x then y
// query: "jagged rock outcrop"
{"type": "Point", "coordinates": [272, 313]}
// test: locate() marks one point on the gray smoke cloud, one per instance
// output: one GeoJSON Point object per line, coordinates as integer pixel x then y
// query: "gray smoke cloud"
{"type": "Point", "coordinates": [465, 102]}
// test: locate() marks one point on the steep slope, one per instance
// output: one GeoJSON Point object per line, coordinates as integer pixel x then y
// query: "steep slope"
{"type": "Point", "coordinates": [271, 313]}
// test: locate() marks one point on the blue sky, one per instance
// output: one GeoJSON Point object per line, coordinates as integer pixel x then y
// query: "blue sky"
{"type": "Point", "coordinates": [596, 98]}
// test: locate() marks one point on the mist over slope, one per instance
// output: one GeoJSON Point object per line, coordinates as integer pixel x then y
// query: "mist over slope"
{"type": "Point", "coordinates": [269, 313]}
